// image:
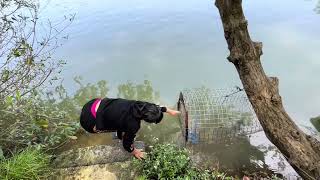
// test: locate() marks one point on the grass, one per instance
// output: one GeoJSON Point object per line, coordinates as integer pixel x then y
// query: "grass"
{"type": "Point", "coordinates": [28, 164]}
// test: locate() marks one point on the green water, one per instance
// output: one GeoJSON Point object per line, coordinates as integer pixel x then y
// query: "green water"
{"type": "Point", "coordinates": [180, 44]}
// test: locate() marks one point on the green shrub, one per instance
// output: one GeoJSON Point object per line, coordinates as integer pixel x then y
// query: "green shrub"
{"type": "Point", "coordinates": [166, 161]}
{"type": "Point", "coordinates": [44, 118]}
{"type": "Point", "coordinates": [28, 164]}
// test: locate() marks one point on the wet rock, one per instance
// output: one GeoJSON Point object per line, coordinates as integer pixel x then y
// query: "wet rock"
{"type": "Point", "coordinates": [95, 162]}
{"type": "Point", "coordinates": [112, 171]}
{"type": "Point", "coordinates": [102, 154]}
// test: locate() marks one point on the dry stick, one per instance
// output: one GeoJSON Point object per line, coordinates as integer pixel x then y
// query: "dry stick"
{"type": "Point", "coordinates": [58, 146]}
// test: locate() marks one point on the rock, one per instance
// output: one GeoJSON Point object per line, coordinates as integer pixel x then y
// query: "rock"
{"type": "Point", "coordinates": [102, 154]}
{"type": "Point", "coordinates": [93, 155]}
{"type": "Point", "coordinates": [112, 171]}
{"type": "Point", "coordinates": [95, 162]}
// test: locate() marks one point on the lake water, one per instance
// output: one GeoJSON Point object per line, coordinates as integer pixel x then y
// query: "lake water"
{"type": "Point", "coordinates": [180, 44]}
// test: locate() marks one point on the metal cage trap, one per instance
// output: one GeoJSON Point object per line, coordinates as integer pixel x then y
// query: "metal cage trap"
{"type": "Point", "coordinates": [216, 116]}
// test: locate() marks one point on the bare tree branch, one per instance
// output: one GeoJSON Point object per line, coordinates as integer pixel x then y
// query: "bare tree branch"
{"type": "Point", "coordinates": [25, 58]}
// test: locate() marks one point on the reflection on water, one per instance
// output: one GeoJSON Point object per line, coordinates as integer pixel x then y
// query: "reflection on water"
{"type": "Point", "coordinates": [244, 155]}
{"type": "Point", "coordinates": [273, 158]}
{"type": "Point", "coordinates": [87, 139]}
{"type": "Point", "coordinates": [180, 44]}
{"type": "Point", "coordinates": [235, 157]}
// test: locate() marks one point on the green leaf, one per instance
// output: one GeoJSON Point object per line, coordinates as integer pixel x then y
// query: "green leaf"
{"type": "Point", "coordinates": [18, 95]}
{"type": "Point", "coordinates": [29, 61]}
{"type": "Point", "coordinates": [16, 53]}
{"type": "Point", "coordinates": [9, 100]}
{"type": "Point", "coordinates": [5, 75]}
{"type": "Point", "coordinates": [42, 123]}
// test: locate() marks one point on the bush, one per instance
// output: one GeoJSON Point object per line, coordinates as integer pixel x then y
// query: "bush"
{"type": "Point", "coordinates": [47, 119]}
{"type": "Point", "coordinates": [166, 161]}
{"type": "Point", "coordinates": [35, 120]}
{"type": "Point", "coordinates": [28, 164]}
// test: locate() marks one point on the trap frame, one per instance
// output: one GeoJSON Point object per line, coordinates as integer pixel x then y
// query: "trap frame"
{"type": "Point", "coordinates": [215, 116]}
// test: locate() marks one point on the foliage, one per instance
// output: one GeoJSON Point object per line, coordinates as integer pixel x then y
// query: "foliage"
{"type": "Point", "coordinates": [89, 91]}
{"type": "Point", "coordinates": [45, 119]}
{"type": "Point", "coordinates": [274, 177]}
{"type": "Point", "coordinates": [164, 132]}
{"type": "Point", "coordinates": [28, 164]}
{"type": "Point", "coordinates": [34, 121]}
{"type": "Point", "coordinates": [142, 92]}
{"type": "Point", "coordinates": [26, 47]}
{"type": "Point", "coordinates": [166, 161]}
{"type": "Point", "coordinates": [1, 154]}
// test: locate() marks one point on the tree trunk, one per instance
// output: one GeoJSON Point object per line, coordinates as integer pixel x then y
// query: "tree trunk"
{"type": "Point", "coordinates": [302, 151]}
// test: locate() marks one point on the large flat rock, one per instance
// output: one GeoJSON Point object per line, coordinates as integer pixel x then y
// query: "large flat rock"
{"type": "Point", "coordinates": [94, 155]}
{"type": "Point", "coordinates": [112, 171]}
{"type": "Point", "coordinates": [103, 162]}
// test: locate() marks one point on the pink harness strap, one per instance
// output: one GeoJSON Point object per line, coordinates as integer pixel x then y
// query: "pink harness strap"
{"type": "Point", "coordinates": [93, 108]}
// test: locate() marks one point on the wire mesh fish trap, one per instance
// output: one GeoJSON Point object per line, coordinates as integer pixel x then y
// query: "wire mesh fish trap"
{"type": "Point", "coordinates": [215, 116]}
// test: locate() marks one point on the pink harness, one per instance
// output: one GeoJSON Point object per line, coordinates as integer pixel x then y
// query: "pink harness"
{"type": "Point", "coordinates": [93, 108]}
